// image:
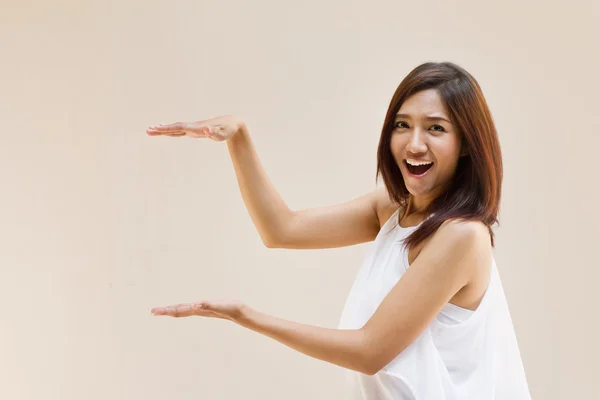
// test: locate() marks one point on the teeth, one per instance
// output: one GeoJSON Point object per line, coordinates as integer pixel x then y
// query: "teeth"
{"type": "Point", "coordinates": [415, 163]}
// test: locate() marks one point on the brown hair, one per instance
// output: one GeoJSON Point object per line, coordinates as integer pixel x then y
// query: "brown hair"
{"type": "Point", "coordinates": [474, 193]}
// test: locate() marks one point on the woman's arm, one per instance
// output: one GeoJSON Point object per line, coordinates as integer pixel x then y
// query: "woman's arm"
{"type": "Point", "coordinates": [352, 222]}
{"type": "Point", "coordinates": [349, 223]}
{"type": "Point", "coordinates": [345, 348]}
{"type": "Point", "coordinates": [443, 267]}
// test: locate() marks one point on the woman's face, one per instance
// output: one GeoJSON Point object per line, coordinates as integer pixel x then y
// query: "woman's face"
{"type": "Point", "coordinates": [425, 144]}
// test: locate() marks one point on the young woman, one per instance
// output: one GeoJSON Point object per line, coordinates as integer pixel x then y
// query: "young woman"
{"type": "Point", "coordinates": [426, 317]}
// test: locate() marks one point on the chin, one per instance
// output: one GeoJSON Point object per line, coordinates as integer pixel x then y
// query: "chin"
{"type": "Point", "coordinates": [418, 191]}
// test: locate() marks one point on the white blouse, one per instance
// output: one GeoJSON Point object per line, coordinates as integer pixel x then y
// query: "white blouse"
{"type": "Point", "coordinates": [462, 354]}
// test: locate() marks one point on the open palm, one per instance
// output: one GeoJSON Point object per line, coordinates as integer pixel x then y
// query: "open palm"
{"type": "Point", "coordinates": [224, 309]}
{"type": "Point", "coordinates": [218, 129]}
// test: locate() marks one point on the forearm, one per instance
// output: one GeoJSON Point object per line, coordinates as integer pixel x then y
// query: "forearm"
{"type": "Point", "coordinates": [345, 348]}
{"type": "Point", "coordinates": [267, 208]}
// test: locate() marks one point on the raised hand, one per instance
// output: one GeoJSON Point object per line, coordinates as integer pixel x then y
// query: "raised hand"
{"type": "Point", "coordinates": [218, 129]}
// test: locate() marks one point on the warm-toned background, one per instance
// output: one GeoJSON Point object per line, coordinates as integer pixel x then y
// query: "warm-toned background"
{"type": "Point", "coordinates": [99, 222]}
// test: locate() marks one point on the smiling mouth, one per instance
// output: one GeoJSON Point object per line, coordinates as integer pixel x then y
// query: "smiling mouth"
{"type": "Point", "coordinates": [418, 169]}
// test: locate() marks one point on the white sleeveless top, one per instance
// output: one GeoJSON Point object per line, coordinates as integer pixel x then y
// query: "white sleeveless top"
{"type": "Point", "coordinates": [462, 354]}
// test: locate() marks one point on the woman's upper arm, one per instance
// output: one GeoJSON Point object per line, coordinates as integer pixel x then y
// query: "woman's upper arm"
{"type": "Point", "coordinates": [353, 222]}
{"type": "Point", "coordinates": [445, 265]}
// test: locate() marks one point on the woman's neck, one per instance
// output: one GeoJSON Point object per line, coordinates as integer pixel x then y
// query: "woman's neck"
{"type": "Point", "coordinates": [417, 205]}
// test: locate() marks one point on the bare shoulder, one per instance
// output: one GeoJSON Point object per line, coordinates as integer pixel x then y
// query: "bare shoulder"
{"type": "Point", "coordinates": [384, 206]}
{"type": "Point", "coordinates": [464, 235]}
{"type": "Point", "coordinates": [467, 247]}
{"type": "Point", "coordinates": [465, 227]}
{"type": "Point", "coordinates": [461, 245]}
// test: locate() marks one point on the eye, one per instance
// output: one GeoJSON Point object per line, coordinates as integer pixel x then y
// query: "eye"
{"type": "Point", "coordinates": [441, 128]}
{"type": "Point", "coordinates": [400, 124]}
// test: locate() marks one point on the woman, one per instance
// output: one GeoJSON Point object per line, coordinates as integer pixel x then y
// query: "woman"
{"type": "Point", "coordinates": [439, 329]}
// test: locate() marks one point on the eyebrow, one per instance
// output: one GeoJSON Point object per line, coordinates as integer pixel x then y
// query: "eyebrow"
{"type": "Point", "coordinates": [429, 117]}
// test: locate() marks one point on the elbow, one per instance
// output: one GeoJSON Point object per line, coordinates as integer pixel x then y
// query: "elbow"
{"type": "Point", "coordinates": [371, 368]}
{"type": "Point", "coordinates": [276, 240]}
{"type": "Point", "coordinates": [268, 243]}
{"type": "Point", "coordinates": [378, 358]}
{"type": "Point", "coordinates": [376, 362]}
{"type": "Point", "coordinates": [370, 362]}
{"type": "Point", "coordinates": [375, 356]}
{"type": "Point", "coordinates": [279, 235]}
{"type": "Point", "coordinates": [271, 243]}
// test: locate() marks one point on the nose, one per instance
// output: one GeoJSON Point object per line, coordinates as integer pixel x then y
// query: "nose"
{"type": "Point", "coordinates": [416, 145]}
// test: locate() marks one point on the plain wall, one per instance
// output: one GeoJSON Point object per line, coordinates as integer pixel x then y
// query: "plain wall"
{"type": "Point", "coordinates": [100, 222]}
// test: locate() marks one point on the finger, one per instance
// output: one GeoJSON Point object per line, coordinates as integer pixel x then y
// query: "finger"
{"type": "Point", "coordinates": [202, 132]}
{"type": "Point", "coordinates": [177, 126]}
{"type": "Point", "coordinates": [153, 132]}
{"type": "Point", "coordinates": [160, 311]}
{"type": "Point", "coordinates": [183, 310]}
{"type": "Point", "coordinates": [171, 132]}
{"type": "Point", "coordinates": [176, 311]}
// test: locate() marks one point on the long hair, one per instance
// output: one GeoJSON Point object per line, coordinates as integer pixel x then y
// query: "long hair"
{"type": "Point", "coordinates": [474, 193]}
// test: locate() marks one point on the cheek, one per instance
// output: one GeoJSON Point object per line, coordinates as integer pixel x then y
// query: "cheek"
{"type": "Point", "coordinates": [396, 145]}
{"type": "Point", "coordinates": [448, 155]}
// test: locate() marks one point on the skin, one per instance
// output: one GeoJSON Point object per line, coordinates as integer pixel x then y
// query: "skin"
{"type": "Point", "coordinates": [423, 132]}
{"type": "Point", "coordinates": [453, 264]}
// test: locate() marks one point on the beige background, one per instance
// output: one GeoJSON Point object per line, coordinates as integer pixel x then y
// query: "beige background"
{"type": "Point", "coordinates": [99, 222]}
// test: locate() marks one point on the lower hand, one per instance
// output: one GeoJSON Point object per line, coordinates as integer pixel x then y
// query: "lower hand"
{"type": "Point", "coordinates": [232, 310]}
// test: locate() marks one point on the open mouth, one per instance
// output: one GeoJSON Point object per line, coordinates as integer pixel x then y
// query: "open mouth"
{"type": "Point", "coordinates": [418, 168]}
